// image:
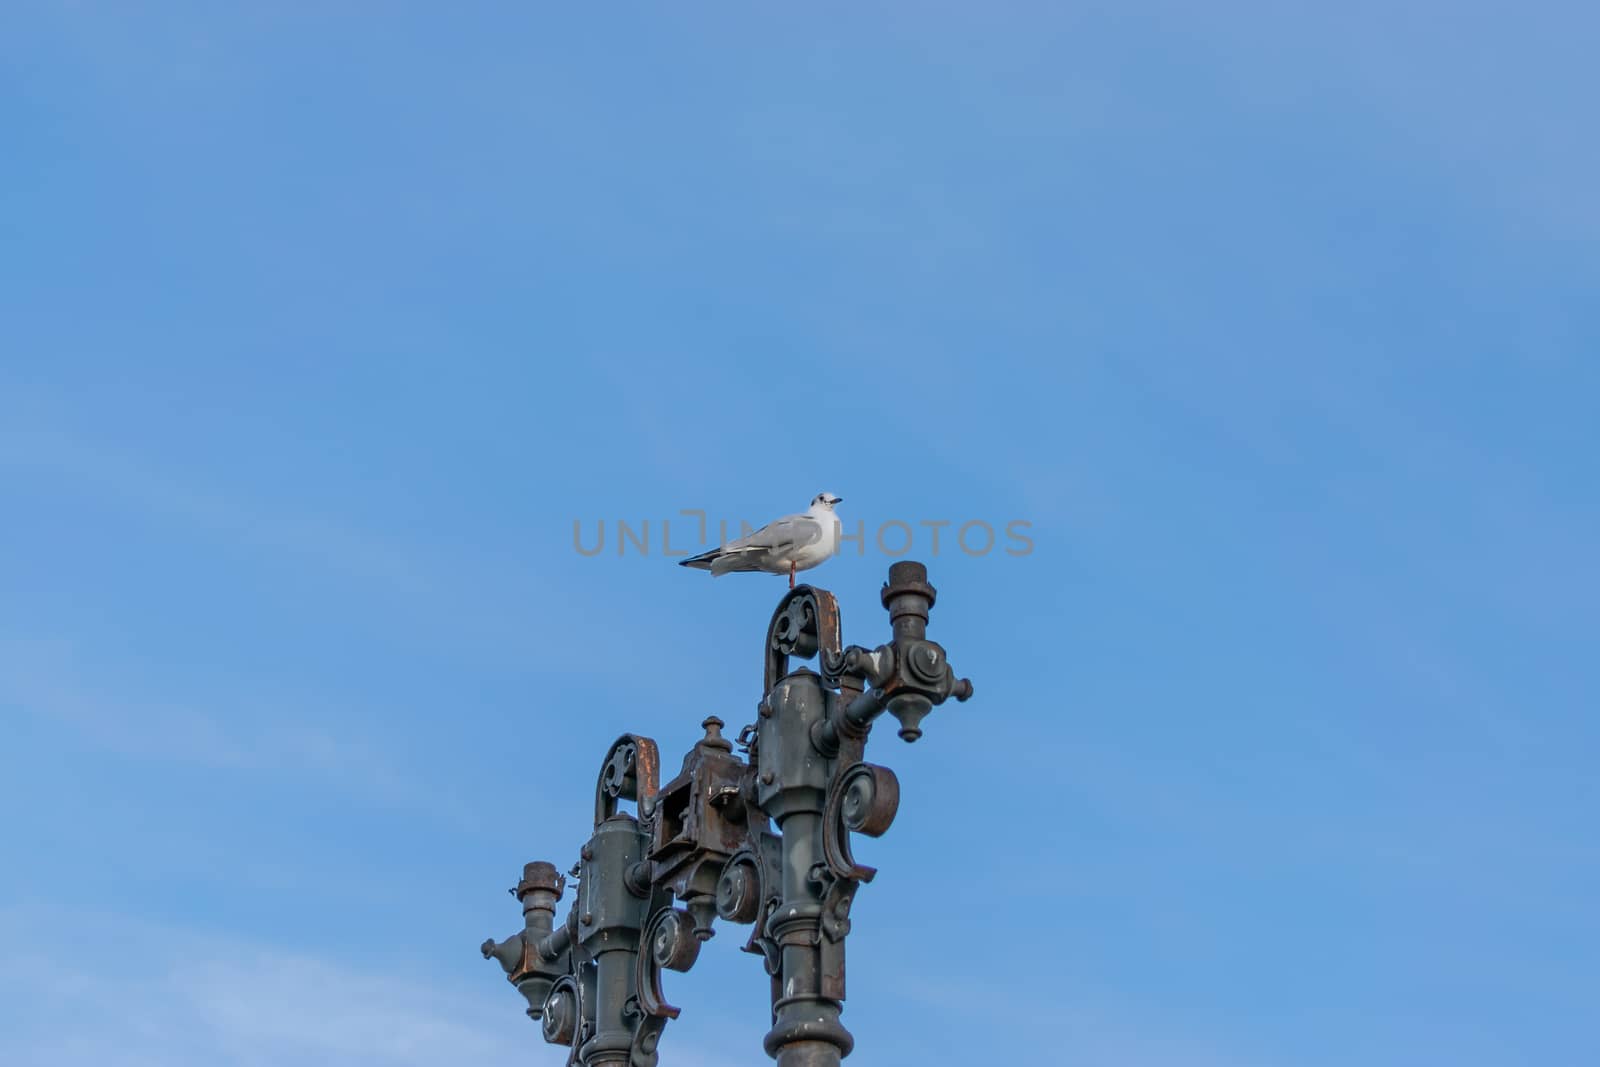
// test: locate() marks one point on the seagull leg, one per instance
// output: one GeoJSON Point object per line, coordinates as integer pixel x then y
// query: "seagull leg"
{"type": "Point", "coordinates": [791, 575]}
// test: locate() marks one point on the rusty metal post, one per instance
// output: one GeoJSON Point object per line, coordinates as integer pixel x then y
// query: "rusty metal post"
{"type": "Point", "coordinates": [763, 840]}
{"type": "Point", "coordinates": [535, 956]}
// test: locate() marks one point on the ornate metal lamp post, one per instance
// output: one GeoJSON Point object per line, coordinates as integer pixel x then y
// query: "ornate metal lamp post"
{"type": "Point", "coordinates": [762, 840]}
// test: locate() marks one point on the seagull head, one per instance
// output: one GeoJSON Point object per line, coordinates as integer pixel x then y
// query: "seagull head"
{"type": "Point", "coordinates": [824, 501]}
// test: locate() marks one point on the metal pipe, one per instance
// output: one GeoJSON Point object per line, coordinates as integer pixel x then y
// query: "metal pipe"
{"type": "Point", "coordinates": [553, 944]}
{"type": "Point", "coordinates": [613, 1039]}
{"type": "Point", "coordinates": [861, 711]}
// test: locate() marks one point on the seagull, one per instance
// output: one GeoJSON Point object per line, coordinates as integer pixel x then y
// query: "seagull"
{"type": "Point", "coordinates": [792, 543]}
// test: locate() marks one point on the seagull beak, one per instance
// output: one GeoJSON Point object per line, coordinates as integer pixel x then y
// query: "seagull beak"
{"type": "Point", "coordinates": [837, 500]}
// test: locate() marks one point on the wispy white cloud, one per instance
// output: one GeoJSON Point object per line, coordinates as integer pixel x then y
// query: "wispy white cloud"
{"type": "Point", "coordinates": [232, 730]}
{"type": "Point", "coordinates": [45, 678]}
{"type": "Point", "coordinates": [115, 990]}
{"type": "Point", "coordinates": [1066, 1014]}
{"type": "Point", "coordinates": [118, 474]}
{"type": "Point", "coordinates": [134, 994]}
{"type": "Point", "coordinates": [480, 607]}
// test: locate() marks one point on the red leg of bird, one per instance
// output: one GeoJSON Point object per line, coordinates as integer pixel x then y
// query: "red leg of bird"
{"type": "Point", "coordinates": [791, 576]}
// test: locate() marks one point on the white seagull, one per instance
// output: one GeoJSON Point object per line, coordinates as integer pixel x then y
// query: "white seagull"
{"type": "Point", "coordinates": [792, 543]}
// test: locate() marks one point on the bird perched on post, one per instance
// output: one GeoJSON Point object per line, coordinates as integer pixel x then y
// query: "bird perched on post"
{"type": "Point", "coordinates": [787, 545]}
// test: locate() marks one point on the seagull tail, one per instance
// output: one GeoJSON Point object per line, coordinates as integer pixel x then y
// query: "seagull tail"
{"type": "Point", "coordinates": [703, 561]}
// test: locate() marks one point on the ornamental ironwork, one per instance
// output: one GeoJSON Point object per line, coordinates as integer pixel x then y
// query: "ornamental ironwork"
{"type": "Point", "coordinates": [758, 837]}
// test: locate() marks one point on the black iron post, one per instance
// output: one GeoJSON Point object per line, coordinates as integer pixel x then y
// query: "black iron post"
{"type": "Point", "coordinates": [763, 840]}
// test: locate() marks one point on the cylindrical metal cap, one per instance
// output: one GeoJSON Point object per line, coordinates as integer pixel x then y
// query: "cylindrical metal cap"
{"type": "Point", "coordinates": [908, 596]}
{"type": "Point", "coordinates": [541, 875]}
{"type": "Point", "coordinates": [907, 576]}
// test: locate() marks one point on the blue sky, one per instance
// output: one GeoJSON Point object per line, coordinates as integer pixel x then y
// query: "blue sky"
{"type": "Point", "coordinates": [323, 324]}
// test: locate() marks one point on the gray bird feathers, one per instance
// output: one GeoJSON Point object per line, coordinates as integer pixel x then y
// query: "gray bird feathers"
{"type": "Point", "coordinates": [784, 546]}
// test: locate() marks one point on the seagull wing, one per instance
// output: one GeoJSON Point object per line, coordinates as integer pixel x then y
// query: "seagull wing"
{"type": "Point", "coordinates": [769, 548]}
{"type": "Point", "coordinates": [785, 534]}
{"type": "Point", "coordinates": [772, 548]}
